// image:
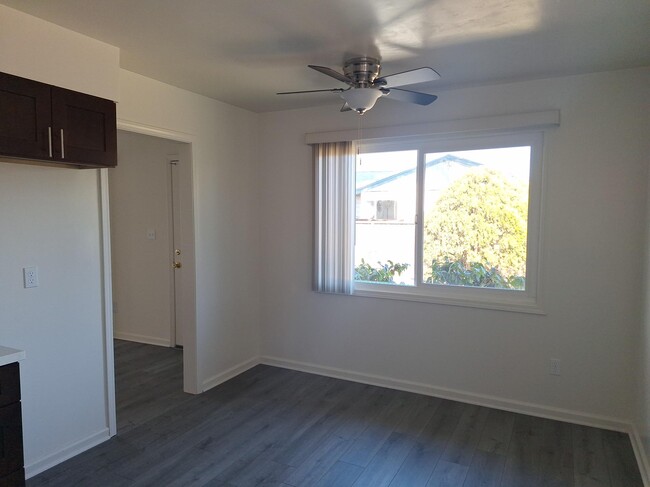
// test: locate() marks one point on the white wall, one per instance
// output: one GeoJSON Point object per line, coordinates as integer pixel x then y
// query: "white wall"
{"type": "Point", "coordinates": [642, 418]}
{"type": "Point", "coordinates": [226, 213]}
{"type": "Point", "coordinates": [49, 217]}
{"type": "Point", "coordinates": [42, 51]}
{"type": "Point", "coordinates": [142, 273]}
{"type": "Point", "coordinates": [595, 199]}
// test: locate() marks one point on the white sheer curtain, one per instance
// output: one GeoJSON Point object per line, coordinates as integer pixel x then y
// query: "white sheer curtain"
{"type": "Point", "coordinates": [334, 217]}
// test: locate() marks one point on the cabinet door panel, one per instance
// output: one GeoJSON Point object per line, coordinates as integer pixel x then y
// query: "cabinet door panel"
{"type": "Point", "coordinates": [9, 384]}
{"type": "Point", "coordinates": [24, 117]}
{"type": "Point", "coordinates": [85, 128]}
{"type": "Point", "coordinates": [11, 439]}
{"type": "Point", "coordinates": [14, 479]}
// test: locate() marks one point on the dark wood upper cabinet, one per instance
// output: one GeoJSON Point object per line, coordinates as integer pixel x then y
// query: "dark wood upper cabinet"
{"type": "Point", "coordinates": [25, 115]}
{"type": "Point", "coordinates": [46, 123]}
{"type": "Point", "coordinates": [85, 128]}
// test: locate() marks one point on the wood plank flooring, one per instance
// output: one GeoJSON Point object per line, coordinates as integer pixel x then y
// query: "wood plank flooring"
{"type": "Point", "coordinates": [148, 382]}
{"type": "Point", "coordinates": [275, 427]}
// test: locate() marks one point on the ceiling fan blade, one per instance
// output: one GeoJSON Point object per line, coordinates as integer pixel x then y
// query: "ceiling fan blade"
{"type": "Point", "coordinates": [419, 75]}
{"type": "Point", "coordinates": [346, 108]}
{"type": "Point", "coordinates": [409, 96]}
{"type": "Point", "coordinates": [334, 74]}
{"type": "Point", "coordinates": [332, 90]}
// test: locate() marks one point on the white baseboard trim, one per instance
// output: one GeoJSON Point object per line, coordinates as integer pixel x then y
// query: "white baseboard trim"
{"type": "Point", "coordinates": [66, 453]}
{"type": "Point", "coordinates": [134, 337]}
{"type": "Point", "coordinates": [230, 373]}
{"type": "Point", "coordinates": [641, 455]}
{"type": "Point", "coordinates": [531, 409]}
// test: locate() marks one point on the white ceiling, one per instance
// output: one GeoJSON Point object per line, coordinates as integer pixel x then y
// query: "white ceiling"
{"type": "Point", "coordinates": [244, 51]}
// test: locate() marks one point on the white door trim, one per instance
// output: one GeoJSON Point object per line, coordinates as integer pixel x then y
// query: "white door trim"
{"type": "Point", "coordinates": [141, 128]}
{"type": "Point", "coordinates": [173, 162]}
{"type": "Point", "coordinates": [107, 304]}
{"type": "Point", "coordinates": [190, 359]}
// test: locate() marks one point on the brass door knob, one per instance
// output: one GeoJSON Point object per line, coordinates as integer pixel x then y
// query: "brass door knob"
{"type": "Point", "coordinates": [176, 265]}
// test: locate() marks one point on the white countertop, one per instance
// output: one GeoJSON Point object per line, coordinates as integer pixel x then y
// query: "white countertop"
{"type": "Point", "coordinates": [10, 355]}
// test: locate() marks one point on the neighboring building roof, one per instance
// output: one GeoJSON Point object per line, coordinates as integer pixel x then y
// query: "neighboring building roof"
{"type": "Point", "coordinates": [441, 160]}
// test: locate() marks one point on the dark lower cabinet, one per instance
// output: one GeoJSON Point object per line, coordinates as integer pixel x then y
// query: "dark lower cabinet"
{"type": "Point", "coordinates": [16, 479]}
{"type": "Point", "coordinates": [50, 124]}
{"type": "Point", "coordinates": [12, 471]}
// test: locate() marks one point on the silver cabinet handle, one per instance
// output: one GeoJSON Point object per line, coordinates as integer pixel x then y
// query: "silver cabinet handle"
{"type": "Point", "coordinates": [62, 146]}
{"type": "Point", "coordinates": [49, 137]}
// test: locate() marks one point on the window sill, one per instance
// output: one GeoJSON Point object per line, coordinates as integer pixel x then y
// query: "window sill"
{"type": "Point", "coordinates": [511, 301]}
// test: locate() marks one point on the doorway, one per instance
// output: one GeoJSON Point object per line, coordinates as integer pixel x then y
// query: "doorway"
{"type": "Point", "coordinates": [148, 252]}
{"type": "Point", "coordinates": [152, 254]}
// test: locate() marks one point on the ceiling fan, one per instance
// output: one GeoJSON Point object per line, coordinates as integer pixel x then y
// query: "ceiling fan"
{"type": "Point", "coordinates": [365, 86]}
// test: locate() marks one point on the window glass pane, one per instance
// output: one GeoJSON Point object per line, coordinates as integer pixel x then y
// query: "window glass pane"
{"type": "Point", "coordinates": [384, 248]}
{"type": "Point", "coordinates": [476, 218]}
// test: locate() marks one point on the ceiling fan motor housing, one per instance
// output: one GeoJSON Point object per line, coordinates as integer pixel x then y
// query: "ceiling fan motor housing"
{"type": "Point", "coordinates": [362, 70]}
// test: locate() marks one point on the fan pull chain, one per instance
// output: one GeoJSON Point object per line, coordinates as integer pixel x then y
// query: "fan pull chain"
{"type": "Point", "coordinates": [359, 129]}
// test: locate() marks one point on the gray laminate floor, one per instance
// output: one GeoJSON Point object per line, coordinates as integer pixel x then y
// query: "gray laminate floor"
{"type": "Point", "coordinates": [277, 427]}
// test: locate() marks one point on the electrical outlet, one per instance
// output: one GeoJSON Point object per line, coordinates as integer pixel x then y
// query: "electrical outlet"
{"type": "Point", "coordinates": [151, 234]}
{"type": "Point", "coordinates": [30, 276]}
{"type": "Point", "coordinates": [555, 366]}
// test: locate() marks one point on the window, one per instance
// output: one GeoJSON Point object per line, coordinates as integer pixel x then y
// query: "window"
{"type": "Point", "coordinates": [386, 210]}
{"type": "Point", "coordinates": [453, 221]}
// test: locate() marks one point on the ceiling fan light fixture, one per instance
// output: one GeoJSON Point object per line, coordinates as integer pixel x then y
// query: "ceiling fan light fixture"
{"type": "Point", "coordinates": [361, 99]}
